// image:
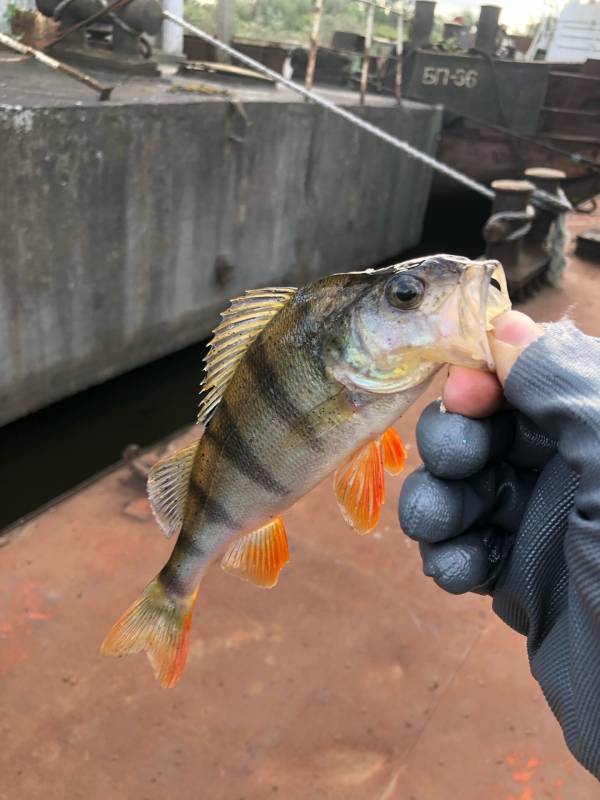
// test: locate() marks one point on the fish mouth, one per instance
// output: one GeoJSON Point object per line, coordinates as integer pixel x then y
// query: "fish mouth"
{"type": "Point", "coordinates": [484, 297]}
{"type": "Point", "coordinates": [493, 301]}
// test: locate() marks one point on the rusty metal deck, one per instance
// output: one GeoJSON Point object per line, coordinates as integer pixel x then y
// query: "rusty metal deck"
{"type": "Point", "coordinates": [355, 679]}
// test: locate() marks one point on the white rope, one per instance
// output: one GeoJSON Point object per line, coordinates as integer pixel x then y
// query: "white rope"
{"type": "Point", "coordinates": [410, 151]}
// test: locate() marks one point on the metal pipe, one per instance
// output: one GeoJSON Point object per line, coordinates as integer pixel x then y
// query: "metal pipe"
{"type": "Point", "coordinates": [399, 50]}
{"type": "Point", "coordinates": [104, 10]}
{"type": "Point", "coordinates": [171, 36]}
{"type": "Point", "coordinates": [314, 44]}
{"type": "Point", "coordinates": [224, 25]}
{"type": "Point", "coordinates": [422, 24]}
{"type": "Point", "coordinates": [103, 90]}
{"type": "Point", "coordinates": [399, 144]}
{"type": "Point", "coordinates": [487, 29]}
{"type": "Point", "coordinates": [364, 75]}
{"type": "Point", "coordinates": [143, 16]}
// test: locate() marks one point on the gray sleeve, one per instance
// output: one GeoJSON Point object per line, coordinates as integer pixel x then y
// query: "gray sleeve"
{"type": "Point", "coordinates": [550, 589]}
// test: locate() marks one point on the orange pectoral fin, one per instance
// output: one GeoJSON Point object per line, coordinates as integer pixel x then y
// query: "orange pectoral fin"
{"type": "Point", "coordinates": [359, 487]}
{"type": "Point", "coordinates": [394, 452]}
{"type": "Point", "coordinates": [259, 556]}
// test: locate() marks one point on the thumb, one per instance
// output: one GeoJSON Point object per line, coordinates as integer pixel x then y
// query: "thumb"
{"type": "Point", "coordinates": [512, 332]}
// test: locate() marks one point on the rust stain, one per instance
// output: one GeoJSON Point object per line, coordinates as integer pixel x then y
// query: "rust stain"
{"type": "Point", "coordinates": [26, 607]}
{"type": "Point", "coordinates": [32, 603]}
{"type": "Point", "coordinates": [349, 765]}
{"type": "Point", "coordinates": [12, 656]}
{"type": "Point", "coordinates": [236, 639]}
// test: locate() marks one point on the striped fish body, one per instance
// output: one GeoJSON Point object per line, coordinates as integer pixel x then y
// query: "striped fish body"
{"type": "Point", "coordinates": [299, 384]}
{"type": "Point", "coordinates": [282, 425]}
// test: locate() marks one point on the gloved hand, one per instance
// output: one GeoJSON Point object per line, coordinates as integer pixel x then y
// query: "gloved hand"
{"type": "Point", "coordinates": [510, 505]}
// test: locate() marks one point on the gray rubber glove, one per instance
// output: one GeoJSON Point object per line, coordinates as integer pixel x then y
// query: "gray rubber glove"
{"type": "Point", "coordinates": [510, 506]}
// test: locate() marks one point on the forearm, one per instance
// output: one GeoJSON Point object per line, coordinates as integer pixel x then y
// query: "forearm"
{"type": "Point", "coordinates": [556, 382]}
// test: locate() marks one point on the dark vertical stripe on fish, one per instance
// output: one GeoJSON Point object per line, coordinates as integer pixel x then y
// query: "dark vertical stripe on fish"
{"type": "Point", "coordinates": [210, 510]}
{"type": "Point", "coordinates": [235, 449]}
{"type": "Point", "coordinates": [273, 390]}
{"type": "Point", "coordinates": [171, 576]}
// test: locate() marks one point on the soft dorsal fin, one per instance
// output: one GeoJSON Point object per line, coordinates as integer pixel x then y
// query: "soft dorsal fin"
{"type": "Point", "coordinates": [168, 483]}
{"type": "Point", "coordinates": [240, 325]}
{"type": "Point", "coordinates": [259, 556]}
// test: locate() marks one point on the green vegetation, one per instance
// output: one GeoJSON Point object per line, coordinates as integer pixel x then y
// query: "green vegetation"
{"type": "Point", "coordinates": [6, 19]}
{"type": "Point", "coordinates": [291, 20]}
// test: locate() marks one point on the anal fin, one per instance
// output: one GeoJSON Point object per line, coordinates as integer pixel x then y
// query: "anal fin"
{"type": "Point", "coordinates": [359, 487]}
{"type": "Point", "coordinates": [168, 483]}
{"type": "Point", "coordinates": [259, 556]}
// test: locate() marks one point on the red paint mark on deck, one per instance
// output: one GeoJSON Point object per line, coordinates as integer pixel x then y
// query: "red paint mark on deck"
{"type": "Point", "coordinates": [523, 777]}
{"type": "Point", "coordinates": [523, 771]}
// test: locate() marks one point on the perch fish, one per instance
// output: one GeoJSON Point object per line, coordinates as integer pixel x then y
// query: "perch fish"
{"type": "Point", "coordinates": [299, 384]}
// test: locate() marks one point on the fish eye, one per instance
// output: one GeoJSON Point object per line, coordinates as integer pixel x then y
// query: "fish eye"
{"type": "Point", "coordinates": [495, 284]}
{"type": "Point", "coordinates": [405, 291]}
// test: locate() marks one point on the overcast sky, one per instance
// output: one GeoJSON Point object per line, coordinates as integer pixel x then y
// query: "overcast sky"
{"type": "Point", "coordinates": [516, 14]}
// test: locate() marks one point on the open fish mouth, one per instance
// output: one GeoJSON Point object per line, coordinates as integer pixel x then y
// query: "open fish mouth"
{"type": "Point", "coordinates": [484, 297]}
{"type": "Point", "coordinates": [494, 300]}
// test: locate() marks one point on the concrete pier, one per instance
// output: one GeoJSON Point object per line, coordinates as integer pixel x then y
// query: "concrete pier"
{"type": "Point", "coordinates": [127, 225]}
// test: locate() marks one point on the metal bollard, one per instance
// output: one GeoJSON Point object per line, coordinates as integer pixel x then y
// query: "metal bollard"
{"type": "Point", "coordinates": [509, 222]}
{"type": "Point", "coordinates": [548, 235]}
{"type": "Point", "coordinates": [548, 180]}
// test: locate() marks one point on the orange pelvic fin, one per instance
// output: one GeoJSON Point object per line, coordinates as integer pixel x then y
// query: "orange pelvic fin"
{"type": "Point", "coordinates": [359, 487]}
{"type": "Point", "coordinates": [394, 452]}
{"type": "Point", "coordinates": [159, 624]}
{"type": "Point", "coordinates": [259, 556]}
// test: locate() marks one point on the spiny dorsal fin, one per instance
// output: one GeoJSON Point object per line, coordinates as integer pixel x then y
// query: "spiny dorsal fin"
{"type": "Point", "coordinates": [259, 556]}
{"type": "Point", "coordinates": [168, 483]}
{"type": "Point", "coordinates": [241, 323]}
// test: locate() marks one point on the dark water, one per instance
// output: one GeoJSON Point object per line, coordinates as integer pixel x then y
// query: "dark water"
{"type": "Point", "coordinates": [453, 226]}
{"type": "Point", "coordinates": [48, 453]}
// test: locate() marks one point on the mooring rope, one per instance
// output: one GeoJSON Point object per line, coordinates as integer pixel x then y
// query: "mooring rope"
{"type": "Point", "coordinates": [410, 151]}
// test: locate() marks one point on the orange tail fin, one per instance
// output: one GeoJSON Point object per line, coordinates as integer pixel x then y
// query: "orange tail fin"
{"type": "Point", "coordinates": [159, 624]}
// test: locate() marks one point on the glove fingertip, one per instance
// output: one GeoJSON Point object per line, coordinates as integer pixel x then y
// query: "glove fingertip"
{"type": "Point", "coordinates": [457, 566]}
{"type": "Point", "coordinates": [430, 510]}
{"type": "Point", "coordinates": [452, 446]}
